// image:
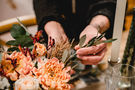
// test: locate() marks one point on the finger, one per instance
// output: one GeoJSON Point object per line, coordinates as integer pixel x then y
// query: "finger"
{"type": "Point", "coordinates": [89, 63]}
{"type": "Point", "coordinates": [91, 50]}
{"type": "Point", "coordinates": [49, 40]}
{"type": "Point", "coordinates": [91, 59]}
{"type": "Point", "coordinates": [76, 47]}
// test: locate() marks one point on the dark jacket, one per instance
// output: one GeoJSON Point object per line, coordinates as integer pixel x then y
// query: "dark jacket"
{"type": "Point", "coordinates": [62, 11]}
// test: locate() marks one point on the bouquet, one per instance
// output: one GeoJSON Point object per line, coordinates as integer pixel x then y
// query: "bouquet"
{"type": "Point", "coordinates": [31, 64]}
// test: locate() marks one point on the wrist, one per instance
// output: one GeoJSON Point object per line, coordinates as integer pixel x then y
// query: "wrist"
{"type": "Point", "coordinates": [100, 22]}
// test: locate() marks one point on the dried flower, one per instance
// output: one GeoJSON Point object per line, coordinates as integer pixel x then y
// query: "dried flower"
{"type": "Point", "coordinates": [58, 49]}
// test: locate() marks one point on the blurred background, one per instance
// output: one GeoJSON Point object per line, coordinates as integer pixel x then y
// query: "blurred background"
{"type": "Point", "coordinates": [14, 8]}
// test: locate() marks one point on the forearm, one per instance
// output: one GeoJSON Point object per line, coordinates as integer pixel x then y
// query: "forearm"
{"type": "Point", "coordinates": [100, 22]}
{"type": "Point", "coordinates": [45, 11]}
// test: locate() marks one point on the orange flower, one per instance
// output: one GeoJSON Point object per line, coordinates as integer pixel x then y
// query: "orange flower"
{"type": "Point", "coordinates": [53, 75]}
{"type": "Point", "coordinates": [39, 49]}
{"type": "Point", "coordinates": [16, 65]}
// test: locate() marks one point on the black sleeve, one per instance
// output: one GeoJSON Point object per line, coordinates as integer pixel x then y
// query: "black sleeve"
{"type": "Point", "coordinates": [46, 10]}
{"type": "Point", "coordinates": [103, 7]}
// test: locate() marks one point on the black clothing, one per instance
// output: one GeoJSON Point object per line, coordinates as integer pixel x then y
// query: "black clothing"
{"type": "Point", "coordinates": [73, 23]}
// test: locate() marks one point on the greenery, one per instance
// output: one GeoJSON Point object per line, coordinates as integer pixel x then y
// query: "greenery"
{"type": "Point", "coordinates": [21, 37]}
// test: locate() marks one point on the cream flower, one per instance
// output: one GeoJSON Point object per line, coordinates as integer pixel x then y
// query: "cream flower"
{"type": "Point", "coordinates": [27, 83]}
{"type": "Point", "coordinates": [4, 84]}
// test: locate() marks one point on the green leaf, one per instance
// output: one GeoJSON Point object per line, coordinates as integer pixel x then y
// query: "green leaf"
{"type": "Point", "coordinates": [65, 55]}
{"type": "Point", "coordinates": [82, 40]}
{"type": "Point", "coordinates": [13, 49]}
{"type": "Point", "coordinates": [106, 41]}
{"type": "Point", "coordinates": [17, 31]}
{"type": "Point", "coordinates": [101, 36]}
{"type": "Point", "coordinates": [24, 41]}
{"type": "Point", "coordinates": [12, 42]}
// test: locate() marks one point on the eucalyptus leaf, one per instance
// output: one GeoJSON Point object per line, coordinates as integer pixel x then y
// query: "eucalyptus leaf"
{"type": "Point", "coordinates": [91, 42]}
{"type": "Point", "coordinates": [12, 42]}
{"type": "Point", "coordinates": [79, 66]}
{"type": "Point", "coordinates": [72, 57]}
{"type": "Point", "coordinates": [95, 39]}
{"type": "Point", "coordinates": [17, 31]}
{"type": "Point", "coordinates": [101, 36]}
{"type": "Point", "coordinates": [106, 41]}
{"type": "Point", "coordinates": [65, 55]}
{"type": "Point", "coordinates": [74, 66]}
{"type": "Point", "coordinates": [72, 51]}
{"type": "Point", "coordinates": [82, 40]}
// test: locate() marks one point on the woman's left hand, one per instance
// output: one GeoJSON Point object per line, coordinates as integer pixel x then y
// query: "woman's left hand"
{"type": "Point", "coordinates": [94, 54]}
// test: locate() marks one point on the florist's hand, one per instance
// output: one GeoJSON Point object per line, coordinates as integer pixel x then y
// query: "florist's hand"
{"type": "Point", "coordinates": [94, 54]}
{"type": "Point", "coordinates": [55, 31]}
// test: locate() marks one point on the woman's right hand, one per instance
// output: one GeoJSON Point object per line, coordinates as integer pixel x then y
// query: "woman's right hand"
{"type": "Point", "coordinates": [55, 31]}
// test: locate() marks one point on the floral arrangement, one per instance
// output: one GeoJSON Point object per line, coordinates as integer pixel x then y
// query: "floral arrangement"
{"type": "Point", "coordinates": [30, 64]}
